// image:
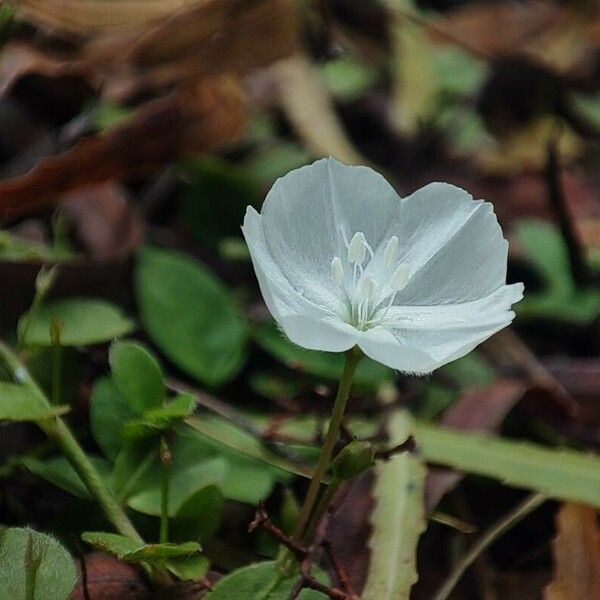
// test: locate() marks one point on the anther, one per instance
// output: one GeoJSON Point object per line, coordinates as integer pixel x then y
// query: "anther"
{"type": "Point", "coordinates": [390, 252]}
{"type": "Point", "coordinates": [357, 250]}
{"type": "Point", "coordinates": [337, 270]}
{"type": "Point", "coordinates": [400, 277]}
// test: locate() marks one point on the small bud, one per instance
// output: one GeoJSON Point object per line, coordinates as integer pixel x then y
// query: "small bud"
{"type": "Point", "coordinates": [355, 458]}
{"type": "Point", "coordinates": [45, 280]}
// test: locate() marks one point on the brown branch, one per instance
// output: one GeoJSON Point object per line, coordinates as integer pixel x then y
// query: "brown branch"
{"type": "Point", "coordinates": [262, 520]}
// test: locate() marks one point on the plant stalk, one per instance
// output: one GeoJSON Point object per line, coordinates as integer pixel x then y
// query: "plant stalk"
{"type": "Point", "coordinates": [57, 430]}
{"type": "Point", "coordinates": [165, 468]}
{"type": "Point", "coordinates": [353, 357]}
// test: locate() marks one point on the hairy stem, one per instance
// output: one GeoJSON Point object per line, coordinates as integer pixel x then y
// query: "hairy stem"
{"type": "Point", "coordinates": [57, 430]}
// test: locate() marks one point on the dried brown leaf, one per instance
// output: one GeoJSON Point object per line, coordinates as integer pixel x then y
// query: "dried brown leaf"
{"type": "Point", "coordinates": [201, 118]}
{"type": "Point", "coordinates": [576, 555]}
{"type": "Point", "coordinates": [83, 17]}
{"type": "Point", "coordinates": [106, 224]}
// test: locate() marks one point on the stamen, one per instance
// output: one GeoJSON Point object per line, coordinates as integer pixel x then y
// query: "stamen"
{"type": "Point", "coordinates": [390, 252]}
{"type": "Point", "coordinates": [367, 287]}
{"type": "Point", "coordinates": [400, 277]}
{"type": "Point", "coordinates": [357, 250]}
{"type": "Point", "coordinates": [337, 270]}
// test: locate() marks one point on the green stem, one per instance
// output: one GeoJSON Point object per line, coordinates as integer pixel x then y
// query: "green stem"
{"type": "Point", "coordinates": [319, 512]}
{"type": "Point", "coordinates": [56, 364]}
{"type": "Point", "coordinates": [353, 357]}
{"type": "Point", "coordinates": [57, 430]}
{"type": "Point", "coordinates": [165, 462]}
{"type": "Point", "coordinates": [487, 539]}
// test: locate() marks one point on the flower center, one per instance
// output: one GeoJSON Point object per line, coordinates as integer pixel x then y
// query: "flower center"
{"type": "Point", "coordinates": [370, 283]}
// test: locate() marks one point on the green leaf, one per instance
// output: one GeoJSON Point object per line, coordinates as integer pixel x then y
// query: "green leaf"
{"type": "Point", "coordinates": [21, 403]}
{"type": "Point", "coordinates": [129, 550]}
{"type": "Point", "coordinates": [560, 299]}
{"type": "Point", "coordinates": [189, 568]}
{"type": "Point", "coordinates": [247, 479]}
{"type": "Point", "coordinates": [215, 200]}
{"type": "Point", "coordinates": [59, 472]}
{"type": "Point", "coordinates": [561, 474]}
{"type": "Point", "coordinates": [348, 78]}
{"type": "Point", "coordinates": [328, 365]}
{"type": "Point", "coordinates": [34, 566]}
{"type": "Point", "coordinates": [162, 418]}
{"type": "Point", "coordinates": [83, 321]}
{"type": "Point", "coordinates": [588, 107]}
{"type": "Point", "coordinates": [132, 464]}
{"type": "Point", "coordinates": [254, 581]}
{"type": "Point", "coordinates": [184, 483]}
{"type": "Point", "coordinates": [223, 434]}
{"type": "Point", "coordinates": [190, 316]}
{"type": "Point", "coordinates": [159, 552]}
{"type": "Point", "coordinates": [109, 411]}
{"type": "Point", "coordinates": [199, 517]}
{"type": "Point", "coordinates": [459, 72]}
{"type": "Point", "coordinates": [138, 376]}
{"type": "Point", "coordinates": [397, 520]}
{"type": "Point", "coordinates": [113, 543]}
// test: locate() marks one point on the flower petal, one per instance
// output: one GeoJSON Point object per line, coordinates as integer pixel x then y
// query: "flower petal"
{"type": "Point", "coordinates": [381, 345]}
{"type": "Point", "coordinates": [306, 211]}
{"type": "Point", "coordinates": [453, 244]}
{"type": "Point", "coordinates": [279, 295]}
{"type": "Point", "coordinates": [323, 334]}
{"type": "Point", "coordinates": [447, 332]}
{"type": "Point", "coordinates": [307, 324]}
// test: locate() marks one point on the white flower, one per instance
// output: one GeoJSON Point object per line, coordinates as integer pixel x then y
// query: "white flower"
{"type": "Point", "coordinates": [342, 261]}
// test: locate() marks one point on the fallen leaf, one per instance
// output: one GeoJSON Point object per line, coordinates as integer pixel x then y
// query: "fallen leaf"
{"type": "Point", "coordinates": [562, 38]}
{"type": "Point", "coordinates": [211, 38]}
{"type": "Point", "coordinates": [201, 118]}
{"type": "Point", "coordinates": [149, 46]}
{"type": "Point", "coordinates": [20, 58]}
{"type": "Point", "coordinates": [110, 579]}
{"type": "Point", "coordinates": [105, 224]}
{"type": "Point", "coordinates": [415, 86]}
{"type": "Point", "coordinates": [308, 105]}
{"type": "Point", "coordinates": [576, 552]}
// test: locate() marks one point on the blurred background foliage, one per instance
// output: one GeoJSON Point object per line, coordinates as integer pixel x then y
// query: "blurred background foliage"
{"type": "Point", "coordinates": [134, 134]}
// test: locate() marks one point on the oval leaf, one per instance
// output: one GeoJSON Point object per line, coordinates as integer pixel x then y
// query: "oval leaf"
{"type": "Point", "coordinates": [190, 316]}
{"type": "Point", "coordinates": [138, 376]}
{"type": "Point", "coordinates": [82, 321]}
{"type": "Point", "coordinates": [21, 403]}
{"type": "Point", "coordinates": [34, 566]}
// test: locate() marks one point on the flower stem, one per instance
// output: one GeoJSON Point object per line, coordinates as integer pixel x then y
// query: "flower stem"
{"type": "Point", "coordinates": [57, 430]}
{"type": "Point", "coordinates": [322, 506]}
{"type": "Point", "coordinates": [165, 464]}
{"type": "Point", "coordinates": [353, 357]}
